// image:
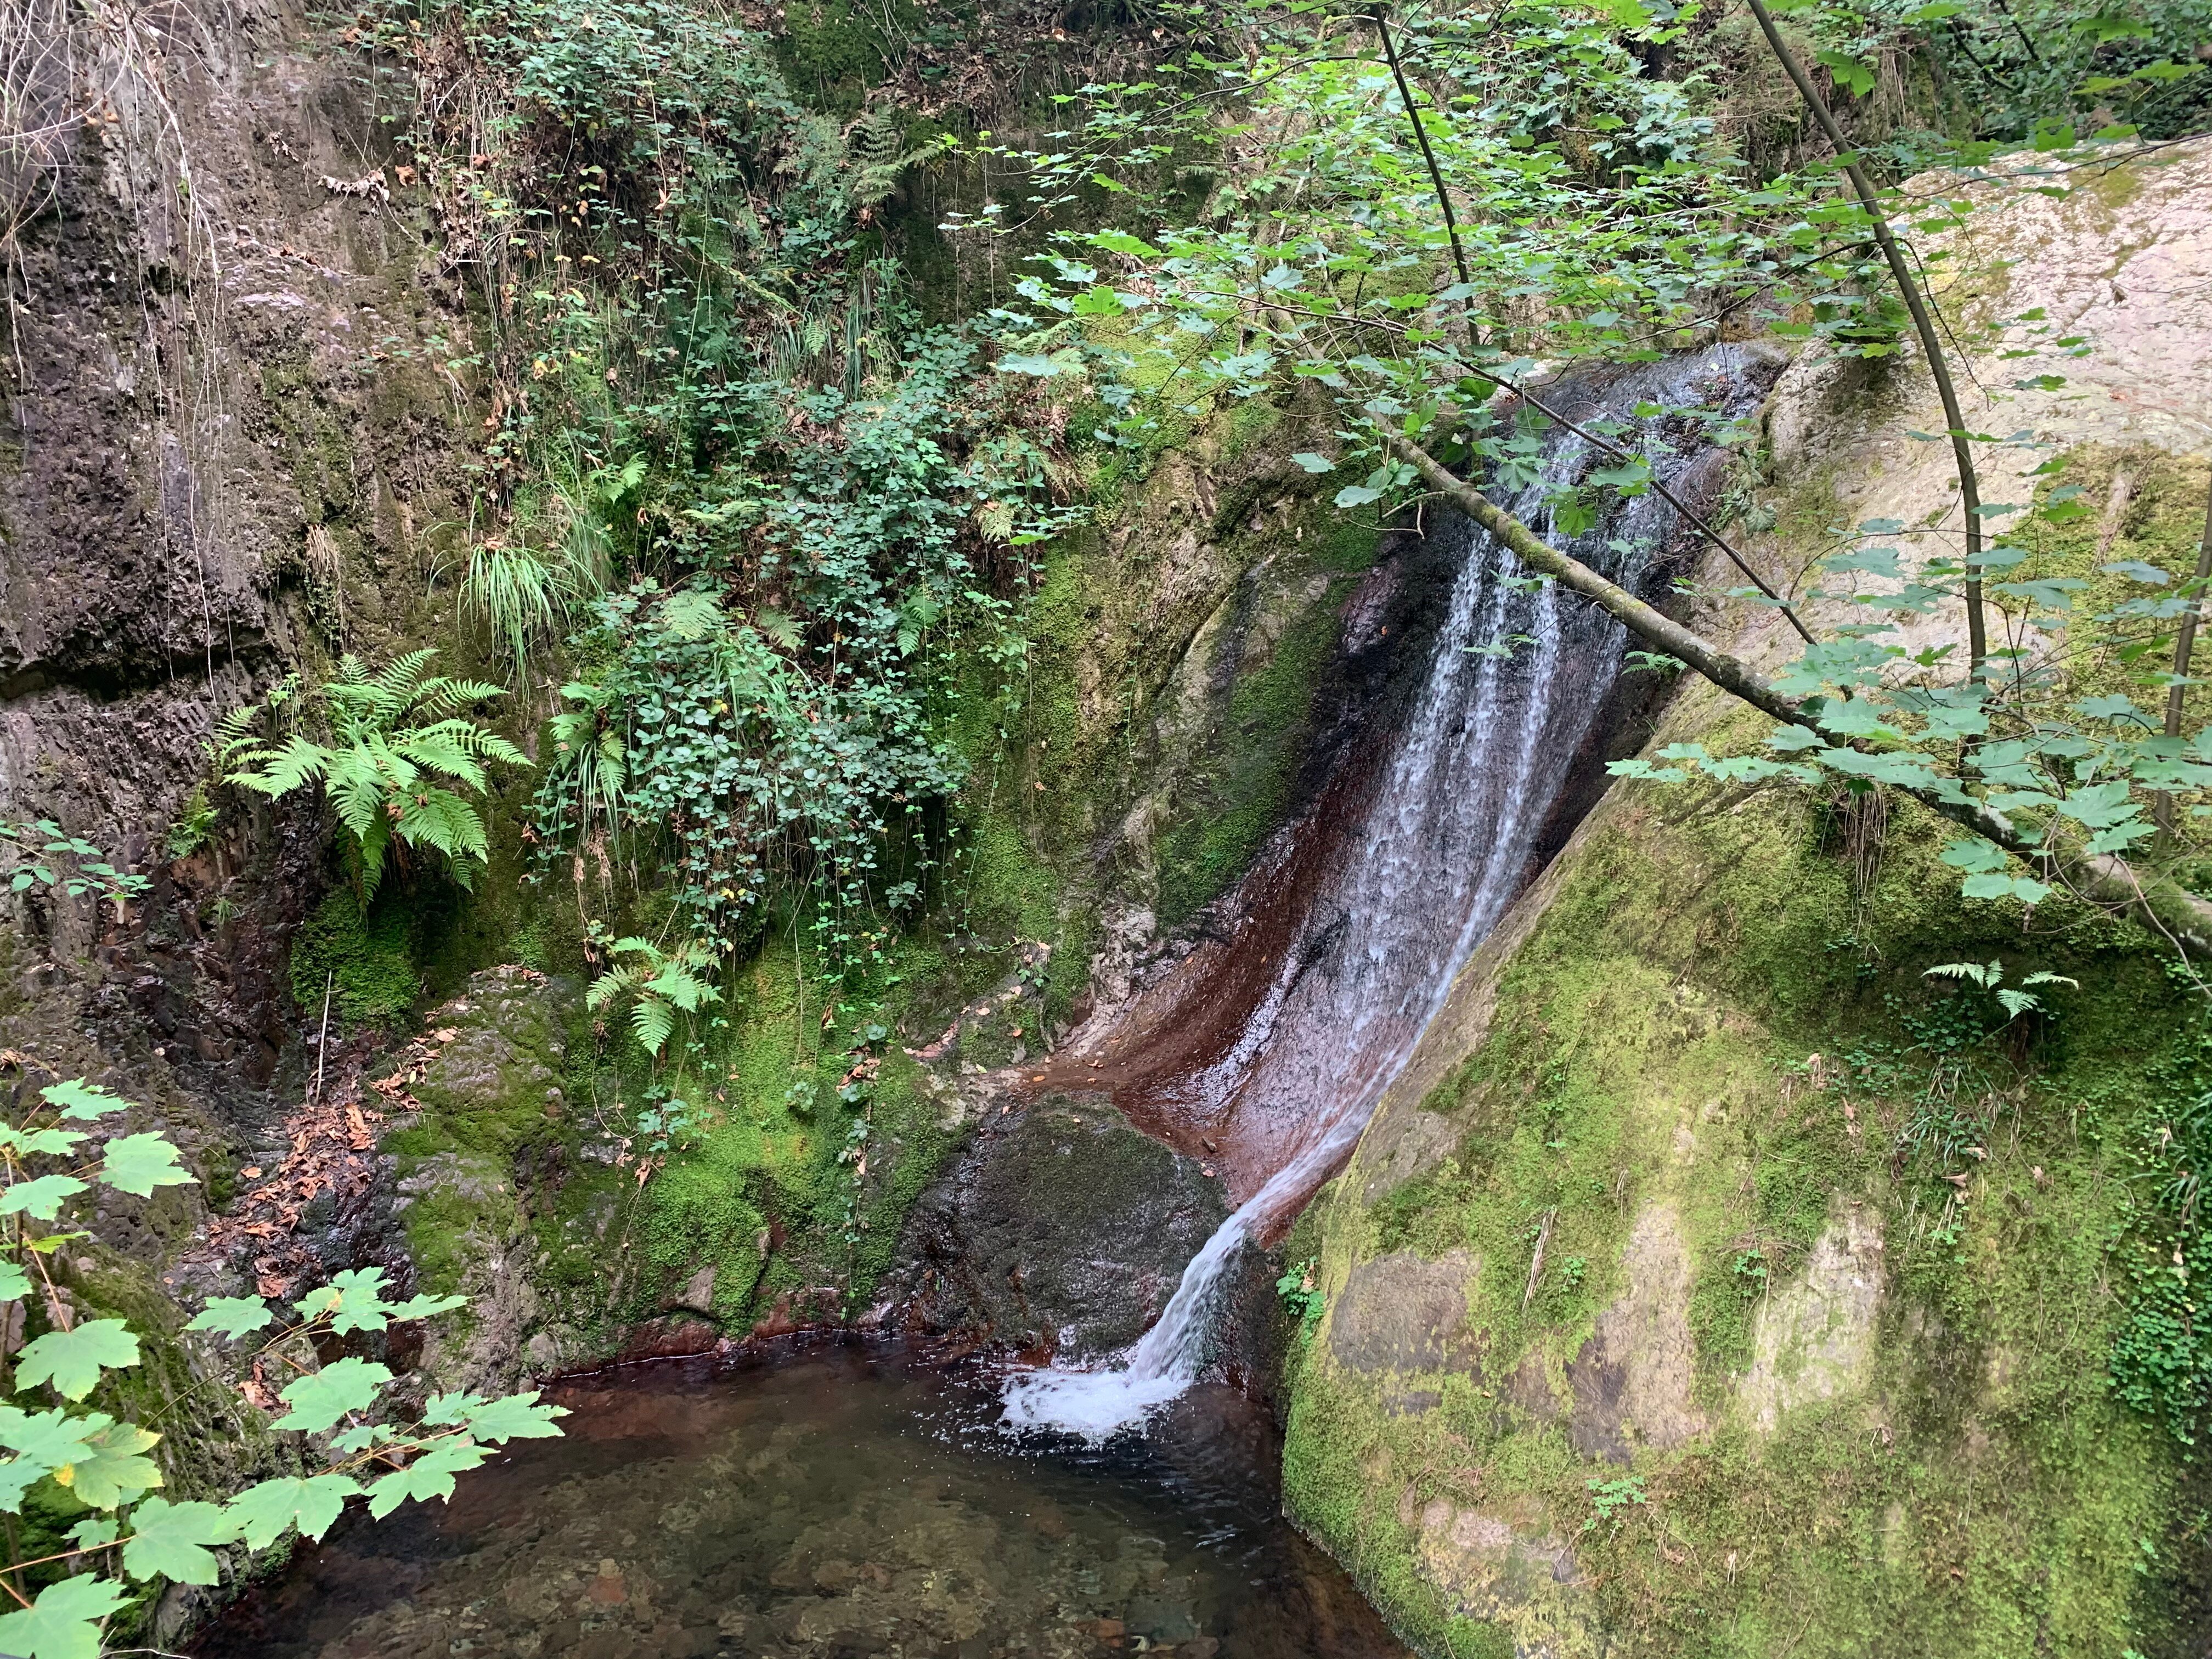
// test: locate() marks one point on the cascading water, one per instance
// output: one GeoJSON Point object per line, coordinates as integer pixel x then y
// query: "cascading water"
{"type": "Point", "coordinates": [1445, 844]}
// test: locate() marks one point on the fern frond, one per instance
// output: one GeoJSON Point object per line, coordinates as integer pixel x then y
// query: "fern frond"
{"type": "Point", "coordinates": [444, 697]}
{"type": "Point", "coordinates": [653, 1022]}
{"type": "Point", "coordinates": [299, 761]}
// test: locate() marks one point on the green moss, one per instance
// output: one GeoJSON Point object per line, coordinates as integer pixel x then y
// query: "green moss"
{"type": "Point", "coordinates": [366, 963]}
{"type": "Point", "coordinates": [1704, 997]}
{"type": "Point", "coordinates": [1242, 792]}
{"type": "Point", "coordinates": [833, 51]}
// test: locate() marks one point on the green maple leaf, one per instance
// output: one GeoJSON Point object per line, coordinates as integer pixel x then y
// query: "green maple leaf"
{"type": "Point", "coordinates": [358, 1304]}
{"type": "Point", "coordinates": [65, 1623]}
{"type": "Point", "coordinates": [42, 1198]}
{"type": "Point", "coordinates": [113, 1470]}
{"type": "Point", "coordinates": [512, 1417]}
{"type": "Point", "coordinates": [82, 1099]}
{"type": "Point", "coordinates": [139, 1163]}
{"type": "Point", "coordinates": [319, 1402]}
{"type": "Point", "coordinates": [263, 1513]}
{"type": "Point", "coordinates": [233, 1316]}
{"type": "Point", "coordinates": [169, 1541]}
{"type": "Point", "coordinates": [51, 1437]}
{"type": "Point", "coordinates": [15, 1283]}
{"type": "Point", "coordinates": [72, 1361]}
{"type": "Point", "coordinates": [17, 1476]}
{"type": "Point", "coordinates": [42, 1442]}
{"type": "Point", "coordinates": [52, 1141]}
{"type": "Point", "coordinates": [431, 1475]}
{"type": "Point", "coordinates": [422, 1307]}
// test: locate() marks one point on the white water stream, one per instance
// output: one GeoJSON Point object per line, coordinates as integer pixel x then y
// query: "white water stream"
{"type": "Point", "coordinates": [1517, 680]}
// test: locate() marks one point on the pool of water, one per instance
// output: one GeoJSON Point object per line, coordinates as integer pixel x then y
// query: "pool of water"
{"type": "Point", "coordinates": [836, 1502]}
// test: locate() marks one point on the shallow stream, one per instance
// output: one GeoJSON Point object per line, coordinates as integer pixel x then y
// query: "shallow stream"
{"type": "Point", "coordinates": [836, 1503]}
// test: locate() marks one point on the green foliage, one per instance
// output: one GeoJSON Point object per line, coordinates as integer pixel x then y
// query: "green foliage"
{"type": "Point", "coordinates": [397, 739]}
{"type": "Point", "coordinates": [661, 986]}
{"type": "Point", "coordinates": [1303, 1299]}
{"type": "Point", "coordinates": [94, 1462]}
{"type": "Point", "coordinates": [367, 963]}
{"type": "Point", "coordinates": [1609, 1497]}
{"type": "Point", "coordinates": [72, 1359]}
{"type": "Point", "coordinates": [48, 855]}
{"type": "Point", "coordinates": [2032, 69]}
{"type": "Point", "coordinates": [64, 1621]}
{"type": "Point", "coordinates": [195, 825]}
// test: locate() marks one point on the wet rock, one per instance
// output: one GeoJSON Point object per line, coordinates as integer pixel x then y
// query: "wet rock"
{"type": "Point", "coordinates": [1633, 1379]}
{"type": "Point", "coordinates": [1405, 1313]}
{"type": "Point", "coordinates": [698, 1293]}
{"type": "Point", "coordinates": [1061, 1229]}
{"type": "Point", "coordinates": [1814, 1337]}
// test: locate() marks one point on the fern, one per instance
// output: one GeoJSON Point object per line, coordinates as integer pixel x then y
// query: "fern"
{"type": "Point", "coordinates": [665, 983]}
{"type": "Point", "coordinates": [401, 752]}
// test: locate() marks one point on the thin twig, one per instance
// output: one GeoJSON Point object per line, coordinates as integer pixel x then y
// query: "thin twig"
{"type": "Point", "coordinates": [1421, 134]}
{"type": "Point", "coordinates": [323, 1042]}
{"type": "Point", "coordinates": [2183, 641]}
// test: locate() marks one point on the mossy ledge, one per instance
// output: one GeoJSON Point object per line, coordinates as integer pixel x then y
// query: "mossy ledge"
{"type": "Point", "coordinates": [1650, 1328]}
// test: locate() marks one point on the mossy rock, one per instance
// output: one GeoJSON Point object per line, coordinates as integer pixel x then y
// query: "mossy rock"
{"type": "Point", "coordinates": [1061, 1229]}
{"type": "Point", "coordinates": [1654, 1327]}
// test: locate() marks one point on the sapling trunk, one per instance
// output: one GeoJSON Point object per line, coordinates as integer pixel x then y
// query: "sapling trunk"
{"type": "Point", "coordinates": [1923, 325]}
{"type": "Point", "coordinates": [2184, 641]}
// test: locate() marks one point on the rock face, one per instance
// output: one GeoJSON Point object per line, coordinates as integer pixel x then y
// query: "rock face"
{"type": "Point", "coordinates": [1649, 1330]}
{"type": "Point", "coordinates": [1060, 1232]}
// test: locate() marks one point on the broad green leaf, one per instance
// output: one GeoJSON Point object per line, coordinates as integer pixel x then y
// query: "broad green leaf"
{"type": "Point", "coordinates": [512, 1417]}
{"type": "Point", "coordinates": [42, 1198]}
{"type": "Point", "coordinates": [1975, 854]}
{"type": "Point", "coordinates": [49, 1438]}
{"type": "Point", "coordinates": [114, 1468]}
{"type": "Point", "coordinates": [1313, 462]}
{"type": "Point", "coordinates": [2137, 570]}
{"type": "Point", "coordinates": [264, 1513]}
{"type": "Point", "coordinates": [1852, 75]}
{"type": "Point", "coordinates": [1118, 241]}
{"type": "Point", "coordinates": [170, 1541]}
{"type": "Point", "coordinates": [1029, 362]}
{"type": "Point", "coordinates": [73, 1360]}
{"type": "Point", "coordinates": [1099, 301]}
{"type": "Point", "coordinates": [81, 1099]}
{"type": "Point", "coordinates": [430, 1475]}
{"type": "Point", "coordinates": [1875, 560]}
{"type": "Point", "coordinates": [319, 1402]}
{"type": "Point", "coordinates": [422, 1307]}
{"type": "Point", "coordinates": [1855, 717]}
{"type": "Point", "coordinates": [65, 1622]}
{"type": "Point", "coordinates": [360, 1305]}
{"type": "Point", "coordinates": [15, 1283]}
{"type": "Point", "coordinates": [53, 1142]}
{"type": "Point", "coordinates": [94, 1532]}
{"type": "Point", "coordinates": [17, 1476]}
{"type": "Point", "coordinates": [233, 1316]}
{"type": "Point", "coordinates": [139, 1163]}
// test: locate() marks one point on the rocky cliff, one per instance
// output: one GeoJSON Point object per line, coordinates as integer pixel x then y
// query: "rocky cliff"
{"type": "Point", "coordinates": [1714, 1280]}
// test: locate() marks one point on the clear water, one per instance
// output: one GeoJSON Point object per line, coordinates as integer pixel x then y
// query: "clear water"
{"type": "Point", "coordinates": [838, 1503]}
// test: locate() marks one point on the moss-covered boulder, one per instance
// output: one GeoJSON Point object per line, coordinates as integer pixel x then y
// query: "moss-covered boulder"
{"type": "Point", "coordinates": [1061, 1231]}
{"type": "Point", "coordinates": [1716, 1281]}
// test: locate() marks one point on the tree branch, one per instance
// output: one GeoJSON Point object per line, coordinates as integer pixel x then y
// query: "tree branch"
{"type": "Point", "coordinates": [2161, 905]}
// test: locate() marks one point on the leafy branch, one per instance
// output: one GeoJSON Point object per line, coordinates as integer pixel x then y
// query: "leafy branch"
{"type": "Point", "coordinates": [136, 1534]}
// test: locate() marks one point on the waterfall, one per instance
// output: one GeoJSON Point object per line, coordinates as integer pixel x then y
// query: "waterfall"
{"type": "Point", "coordinates": [1445, 845]}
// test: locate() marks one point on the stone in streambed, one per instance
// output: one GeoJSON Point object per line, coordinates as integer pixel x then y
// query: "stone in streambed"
{"type": "Point", "coordinates": [1061, 1229]}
